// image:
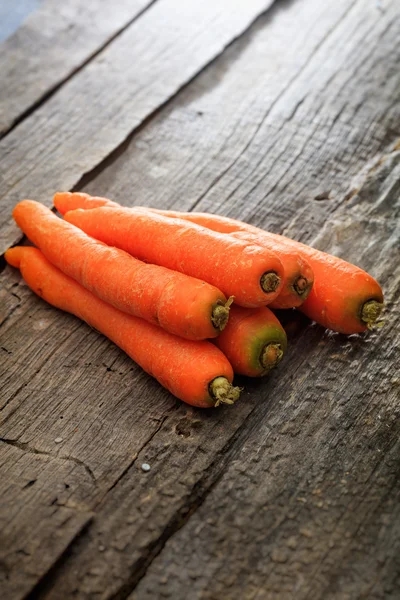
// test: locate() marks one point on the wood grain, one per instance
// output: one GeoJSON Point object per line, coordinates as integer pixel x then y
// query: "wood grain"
{"type": "Point", "coordinates": [34, 527]}
{"type": "Point", "coordinates": [123, 85]}
{"type": "Point", "coordinates": [77, 403]}
{"type": "Point", "coordinates": [310, 507]}
{"type": "Point", "coordinates": [54, 42]}
{"type": "Point", "coordinates": [288, 492]}
{"type": "Point", "coordinates": [269, 128]}
{"type": "Point", "coordinates": [294, 493]}
{"type": "Point", "coordinates": [70, 401]}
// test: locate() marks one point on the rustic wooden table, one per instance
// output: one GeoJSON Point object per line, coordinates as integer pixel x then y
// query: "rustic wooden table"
{"type": "Point", "coordinates": [283, 114]}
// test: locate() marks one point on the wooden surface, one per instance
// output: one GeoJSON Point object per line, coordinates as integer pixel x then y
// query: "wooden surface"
{"type": "Point", "coordinates": [112, 95]}
{"type": "Point", "coordinates": [294, 492]}
{"type": "Point", "coordinates": [64, 38]}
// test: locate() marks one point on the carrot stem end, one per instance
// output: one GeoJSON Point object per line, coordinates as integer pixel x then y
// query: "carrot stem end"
{"type": "Point", "coordinates": [220, 314]}
{"type": "Point", "coordinates": [271, 356]}
{"type": "Point", "coordinates": [223, 392]}
{"type": "Point", "coordinates": [302, 287]}
{"type": "Point", "coordinates": [269, 282]}
{"type": "Point", "coordinates": [370, 312]}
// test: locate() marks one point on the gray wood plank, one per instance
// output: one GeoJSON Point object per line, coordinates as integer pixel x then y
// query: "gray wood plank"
{"type": "Point", "coordinates": [51, 45]}
{"type": "Point", "coordinates": [97, 109]}
{"type": "Point", "coordinates": [35, 529]}
{"type": "Point", "coordinates": [311, 506]}
{"type": "Point", "coordinates": [75, 412]}
{"type": "Point", "coordinates": [315, 423]}
{"type": "Point", "coordinates": [285, 125]}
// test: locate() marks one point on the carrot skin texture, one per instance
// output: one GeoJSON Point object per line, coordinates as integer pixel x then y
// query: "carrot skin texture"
{"type": "Point", "coordinates": [248, 334]}
{"type": "Point", "coordinates": [295, 267]}
{"type": "Point", "coordinates": [236, 267]}
{"type": "Point", "coordinates": [180, 304]}
{"type": "Point", "coordinates": [340, 289]}
{"type": "Point", "coordinates": [184, 367]}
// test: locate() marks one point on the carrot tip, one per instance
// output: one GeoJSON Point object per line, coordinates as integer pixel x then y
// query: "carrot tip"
{"type": "Point", "coordinates": [220, 314]}
{"type": "Point", "coordinates": [370, 312]}
{"type": "Point", "coordinates": [13, 256]}
{"type": "Point", "coordinates": [271, 355]}
{"type": "Point", "coordinates": [270, 282]}
{"type": "Point", "coordinates": [223, 392]}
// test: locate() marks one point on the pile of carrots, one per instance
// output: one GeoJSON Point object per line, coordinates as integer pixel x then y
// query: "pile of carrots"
{"type": "Point", "coordinates": [185, 295]}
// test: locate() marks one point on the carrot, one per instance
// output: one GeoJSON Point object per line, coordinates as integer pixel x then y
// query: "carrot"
{"type": "Point", "coordinates": [180, 304]}
{"type": "Point", "coordinates": [253, 341]}
{"type": "Point", "coordinates": [344, 298]}
{"type": "Point", "coordinates": [194, 371]}
{"type": "Point", "coordinates": [249, 272]}
{"type": "Point", "coordinates": [65, 201]}
{"type": "Point", "coordinates": [298, 278]}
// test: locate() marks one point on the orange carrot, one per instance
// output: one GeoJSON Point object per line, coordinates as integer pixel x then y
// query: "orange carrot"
{"type": "Point", "coordinates": [194, 371]}
{"type": "Point", "coordinates": [249, 272]}
{"type": "Point", "coordinates": [298, 278]}
{"type": "Point", "coordinates": [253, 341]}
{"type": "Point", "coordinates": [180, 304]}
{"type": "Point", "coordinates": [65, 201]}
{"type": "Point", "coordinates": [344, 298]}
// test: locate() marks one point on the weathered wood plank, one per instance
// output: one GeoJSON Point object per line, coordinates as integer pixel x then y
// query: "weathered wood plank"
{"type": "Point", "coordinates": [285, 125]}
{"type": "Point", "coordinates": [313, 449]}
{"type": "Point", "coordinates": [310, 508]}
{"type": "Point", "coordinates": [98, 108]}
{"type": "Point", "coordinates": [292, 424]}
{"type": "Point", "coordinates": [35, 528]}
{"type": "Point", "coordinates": [51, 45]}
{"type": "Point", "coordinates": [69, 404]}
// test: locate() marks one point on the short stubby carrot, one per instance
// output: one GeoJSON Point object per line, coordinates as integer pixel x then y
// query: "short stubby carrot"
{"type": "Point", "coordinates": [253, 341]}
{"type": "Point", "coordinates": [344, 298]}
{"type": "Point", "coordinates": [298, 279]}
{"type": "Point", "coordinates": [180, 304]}
{"type": "Point", "coordinates": [249, 272]}
{"type": "Point", "coordinates": [196, 372]}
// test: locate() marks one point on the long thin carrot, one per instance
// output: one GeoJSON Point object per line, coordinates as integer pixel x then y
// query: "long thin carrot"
{"type": "Point", "coordinates": [298, 279]}
{"type": "Point", "coordinates": [344, 298]}
{"type": "Point", "coordinates": [253, 341]}
{"type": "Point", "coordinates": [194, 371]}
{"type": "Point", "coordinates": [180, 304]}
{"type": "Point", "coordinates": [249, 272]}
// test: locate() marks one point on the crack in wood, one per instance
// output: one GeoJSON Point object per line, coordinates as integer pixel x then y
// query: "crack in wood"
{"type": "Point", "coordinates": [26, 447]}
{"type": "Point", "coordinates": [199, 493]}
{"type": "Point", "coordinates": [113, 156]}
{"type": "Point", "coordinates": [134, 459]}
{"type": "Point", "coordinates": [270, 109]}
{"type": "Point", "coordinates": [54, 89]}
